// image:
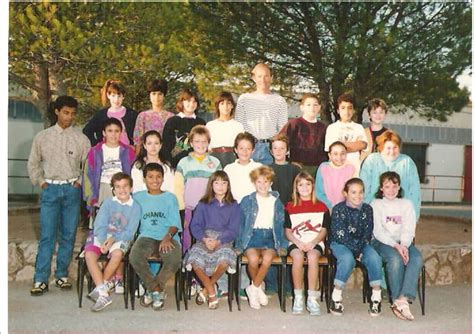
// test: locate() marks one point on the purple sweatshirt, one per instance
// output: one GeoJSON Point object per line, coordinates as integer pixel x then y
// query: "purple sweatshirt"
{"type": "Point", "coordinates": [220, 217]}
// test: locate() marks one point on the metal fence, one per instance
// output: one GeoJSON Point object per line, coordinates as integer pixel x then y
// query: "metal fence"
{"type": "Point", "coordinates": [437, 184]}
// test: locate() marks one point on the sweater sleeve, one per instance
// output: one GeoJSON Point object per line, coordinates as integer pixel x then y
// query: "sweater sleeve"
{"type": "Point", "coordinates": [35, 171]}
{"type": "Point", "coordinates": [174, 219]}
{"type": "Point", "coordinates": [101, 221]}
{"type": "Point", "coordinates": [198, 222]}
{"type": "Point", "coordinates": [370, 224]}
{"type": "Point", "coordinates": [169, 138]}
{"type": "Point", "coordinates": [233, 227]}
{"type": "Point", "coordinates": [337, 232]}
{"type": "Point", "coordinates": [283, 114]}
{"type": "Point", "coordinates": [409, 225]}
{"type": "Point", "coordinates": [240, 110]}
{"type": "Point", "coordinates": [380, 232]}
{"type": "Point", "coordinates": [179, 188]}
{"type": "Point", "coordinates": [92, 128]}
{"type": "Point", "coordinates": [320, 193]}
{"type": "Point", "coordinates": [413, 191]}
{"type": "Point", "coordinates": [366, 174]}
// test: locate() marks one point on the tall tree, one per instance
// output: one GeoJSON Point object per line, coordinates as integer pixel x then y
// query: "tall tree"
{"type": "Point", "coordinates": [407, 53]}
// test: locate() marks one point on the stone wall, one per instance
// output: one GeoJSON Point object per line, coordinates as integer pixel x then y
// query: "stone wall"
{"type": "Point", "coordinates": [444, 264]}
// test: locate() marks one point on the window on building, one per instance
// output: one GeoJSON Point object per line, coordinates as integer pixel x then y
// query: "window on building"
{"type": "Point", "coordinates": [24, 110]}
{"type": "Point", "coordinates": [418, 153]}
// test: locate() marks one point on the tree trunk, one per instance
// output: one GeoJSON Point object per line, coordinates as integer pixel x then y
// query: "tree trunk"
{"type": "Point", "coordinates": [43, 94]}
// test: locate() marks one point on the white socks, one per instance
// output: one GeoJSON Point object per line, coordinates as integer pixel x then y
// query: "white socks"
{"type": "Point", "coordinates": [376, 295]}
{"type": "Point", "coordinates": [336, 295]}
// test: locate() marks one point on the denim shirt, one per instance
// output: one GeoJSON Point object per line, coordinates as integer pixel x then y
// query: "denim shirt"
{"type": "Point", "coordinates": [249, 210]}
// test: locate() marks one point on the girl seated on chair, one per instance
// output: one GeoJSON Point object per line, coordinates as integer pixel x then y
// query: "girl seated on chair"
{"type": "Point", "coordinates": [350, 234]}
{"type": "Point", "coordinates": [261, 232]}
{"type": "Point", "coordinates": [394, 230]}
{"type": "Point", "coordinates": [306, 227]}
{"type": "Point", "coordinates": [215, 225]}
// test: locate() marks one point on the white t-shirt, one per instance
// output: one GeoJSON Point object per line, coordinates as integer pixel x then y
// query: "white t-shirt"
{"type": "Point", "coordinates": [346, 132]}
{"type": "Point", "coordinates": [223, 133]}
{"type": "Point", "coordinates": [266, 211]}
{"type": "Point", "coordinates": [112, 163]}
{"type": "Point", "coordinates": [239, 176]}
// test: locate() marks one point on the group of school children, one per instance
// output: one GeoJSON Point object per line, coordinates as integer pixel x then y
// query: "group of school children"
{"type": "Point", "coordinates": [193, 201]}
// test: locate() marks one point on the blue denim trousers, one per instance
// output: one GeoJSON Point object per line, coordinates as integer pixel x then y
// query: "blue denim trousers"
{"type": "Point", "coordinates": [262, 153]}
{"type": "Point", "coordinates": [346, 263]}
{"type": "Point", "coordinates": [60, 207]}
{"type": "Point", "coordinates": [402, 279]}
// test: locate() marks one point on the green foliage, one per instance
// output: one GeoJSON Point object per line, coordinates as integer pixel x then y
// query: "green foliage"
{"type": "Point", "coordinates": [406, 53]}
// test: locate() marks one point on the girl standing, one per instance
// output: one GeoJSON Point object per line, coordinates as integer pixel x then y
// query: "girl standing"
{"type": "Point", "coordinates": [306, 227]}
{"type": "Point", "coordinates": [156, 117]}
{"type": "Point", "coordinates": [112, 93]}
{"type": "Point", "coordinates": [177, 128]}
{"type": "Point", "coordinates": [394, 230]}
{"type": "Point", "coordinates": [224, 129]}
{"type": "Point", "coordinates": [350, 234]}
{"type": "Point", "coordinates": [215, 225]}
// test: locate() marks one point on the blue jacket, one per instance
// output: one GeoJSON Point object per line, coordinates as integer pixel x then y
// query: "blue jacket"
{"type": "Point", "coordinates": [249, 210]}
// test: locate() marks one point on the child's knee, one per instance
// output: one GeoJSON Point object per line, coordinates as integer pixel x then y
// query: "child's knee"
{"type": "Point", "coordinates": [116, 255]}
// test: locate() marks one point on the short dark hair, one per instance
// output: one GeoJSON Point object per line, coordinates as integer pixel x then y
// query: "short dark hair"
{"type": "Point", "coordinates": [153, 166]}
{"type": "Point", "coordinates": [65, 101]}
{"type": "Point", "coordinates": [112, 121]}
{"type": "Point", "coordinates": [121, 176]}
{"type": "Point", "coordinates": [157, 85]}
{"type": "Point", "coordinates": [244, 136]}
{"type": "Point", "coordinates": [224, 96]}
{"type": "Point", "coordinates": [346, 97]}
{"type": "Point", "coordinates": [354, 180]}
{"type": "Point", "coordinates": [337, 143]}
{"type": "Point", "coordinates": [376, 103]}
{"type": "Point", "coordinates": [389, 176]}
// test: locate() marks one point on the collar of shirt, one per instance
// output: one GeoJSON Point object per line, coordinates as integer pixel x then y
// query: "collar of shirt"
{"type": "Point", "coordinates": [60, 129]}
{"type": "Point", "coordinates": [358, 207]}
{"type": "Point", "coordinates": [182, 115]}
{"type": "Point", "coordinates": [129, 202]}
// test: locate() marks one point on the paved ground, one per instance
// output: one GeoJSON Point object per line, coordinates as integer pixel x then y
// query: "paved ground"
{"type": "Point", "coordinates": [448, 311]}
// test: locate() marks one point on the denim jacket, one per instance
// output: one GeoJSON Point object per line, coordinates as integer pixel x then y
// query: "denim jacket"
{"type": "Point", "coordinates": [249, 209]}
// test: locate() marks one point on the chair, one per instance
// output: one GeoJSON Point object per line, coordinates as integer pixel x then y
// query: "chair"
{"type": "Point", "coordinates": [279, 261]}
{"type": "Point", "coordinates": [82, 272]}
{"type": "Point", "coordinates": [324, 276]}
{"type": "Point", "coordinates": [188, 280]}
{"type": "Point", "coordinates": [178, 283]}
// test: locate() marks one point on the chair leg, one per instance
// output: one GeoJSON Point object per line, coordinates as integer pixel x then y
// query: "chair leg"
{"type": "Point", "coordinates": [133, 279]}
{"type": "Point", "coordinates": [283, 286]}
{"type": "Point", "coordinates": [421, 289]}
{"type": "Point", "coordinates": [80, 279]}
{"type": "Point", "coordinates": [183, 289]}
{"type": "Point", "coordinates": [230, 289]}
{"type": "Point", "coordinates": [177, 286]}
{"type": "Point", "coordinates": [126, 287]}
{"type": "Point", "coordinates": [239, 281]}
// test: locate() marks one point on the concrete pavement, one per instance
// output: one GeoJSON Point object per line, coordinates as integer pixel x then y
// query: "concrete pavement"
{"type": "Point", "coordinates": [448, 311]}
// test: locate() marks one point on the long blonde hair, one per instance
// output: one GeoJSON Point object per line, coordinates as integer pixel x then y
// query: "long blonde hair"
{"type": "Point", "coordinates": [295, 197]}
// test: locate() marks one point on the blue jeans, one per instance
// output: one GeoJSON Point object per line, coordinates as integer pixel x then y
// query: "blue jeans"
{"type": "Point", "coordinates": [402, 279]}
{"type": "Point", "coordinates": [60, 206]}
{"type": "Point", "coordinates": [262, 153]}
{"type": "Point", "coordinates": [346, 263]}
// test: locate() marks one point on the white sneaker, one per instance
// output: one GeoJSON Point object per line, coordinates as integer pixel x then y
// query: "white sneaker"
{"type": "Point", "coordinates": [312, 306]}
{"type": "Point", "coordinates": [252, 294]}
{"type": "Point", "coordinates": [119, 289]}
{"type": "Point", "coordinates": [262, 297]}
{"type": "Point", "coordinates": [141, 290]}
{"type": "Point", "coordinates": [298, 305]}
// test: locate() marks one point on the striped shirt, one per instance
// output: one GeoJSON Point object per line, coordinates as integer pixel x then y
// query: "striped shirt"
{"type": "Point", "coordinates": [57, 154]}
{"type": "Point", "coordinates": [263, 115]}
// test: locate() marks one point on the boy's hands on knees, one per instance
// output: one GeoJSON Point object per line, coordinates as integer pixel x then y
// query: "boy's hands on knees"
{"type": "Point", "coordinates": [44, 185]}
{"type": "Point", "coordinates": [166, 245]}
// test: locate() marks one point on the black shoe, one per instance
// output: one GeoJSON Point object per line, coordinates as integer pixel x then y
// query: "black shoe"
{"type": "Point", "coordinates": [63, 283]}
{"type": "Point", "coordinates": [38, 289]}
{"type": "Point", "coordinates": [375, 308]}
{"type": "Point", "coordinates": [336, 308]}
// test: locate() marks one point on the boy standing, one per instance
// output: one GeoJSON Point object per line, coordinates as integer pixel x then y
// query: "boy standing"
{"type": "Point", "coordinates": [55, 165]}
{"type": "Point", "coordinates": [262, 113]}
{"type": "Point", "coordinates": [160, 223]}
{"type": "Point", "coordinates": [351, 134]}
{"type": "Point", "coordinates": [114, 230]}
{"type": "Point", "coordinates": [306, 135]}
